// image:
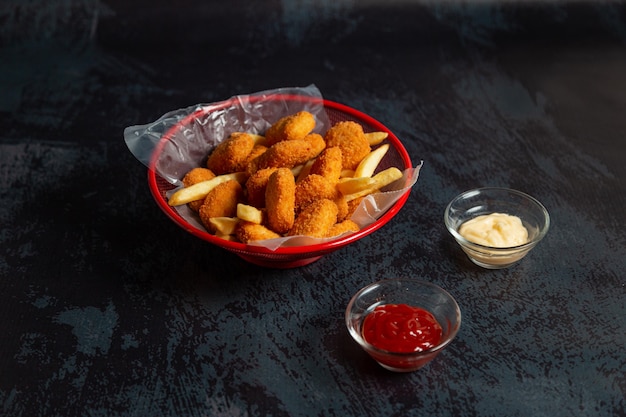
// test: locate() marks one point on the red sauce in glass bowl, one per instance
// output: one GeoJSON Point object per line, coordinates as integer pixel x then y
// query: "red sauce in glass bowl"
{"type": "Point", "coordinates": [401, 328]}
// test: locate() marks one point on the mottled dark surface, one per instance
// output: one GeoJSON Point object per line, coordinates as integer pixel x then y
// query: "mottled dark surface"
{"type": "Point", "coordinates": [109, 309]}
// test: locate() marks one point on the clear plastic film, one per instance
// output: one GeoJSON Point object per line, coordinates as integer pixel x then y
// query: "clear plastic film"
{"type": "Point", "coordinates": [194, 131]}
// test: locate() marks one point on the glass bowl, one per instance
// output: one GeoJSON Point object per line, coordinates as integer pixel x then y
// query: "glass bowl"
{"type": "Point", "coordinates": [414, 293]}
{"type": "Point", "coordinates": [284, 256]}
{"type": "Point", "coordinates": [484, 201]}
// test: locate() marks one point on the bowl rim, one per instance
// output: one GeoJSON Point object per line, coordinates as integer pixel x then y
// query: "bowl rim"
{"type": "Point", "coordinates": [251, 249]}
{"type": "Point", "coordinates": [495, 249]}
{"type": "Point", "coordinates": [435, 349]}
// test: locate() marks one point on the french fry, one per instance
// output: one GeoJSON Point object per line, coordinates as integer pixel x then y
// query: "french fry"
{"type": "Point", "coordinates": [346, 173]}
{"type": "Point", "coordinates": [258, 139]}
{"type": "Point", "coordinates": [306, 168]}
{"type": "Point", "coordinates": [249, 213]}
{"type": "Point", "coordinates": [381, 179]}
{"type": "Point", "coordinates": [297, 170]}
{"type": "Point", "coordinates": [224, 226]}
{"type": "Point", "coordinates": [374, 138]}
{"type": "Point", "coordinates": [201, 189]}
{"type": "Point", "coordinates": [368, 165]}
{"type": "Point", "coordinates": [232, 238]}
{"type": "Point", "coordinates": [354, 185]}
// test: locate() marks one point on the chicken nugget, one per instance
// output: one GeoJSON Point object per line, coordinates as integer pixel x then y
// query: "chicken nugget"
{"type": "Point", "coordinates": [280, 200]}
{"type": "Point", "coordinates": [343, 227]}
{"type": "Point", "coordinates": [248, 232]}
{"type": "Point", "coordinates": [221, 201]}
{"type": "Point", "coordinates": [328, 164]}
{"type": "Point", "coordinates": [195, 176]}
{"type": "Point", "coordinates": [256, 185]}
{"type": "Point", "coordinates": [295, 126]}
{"type": "Point", "coordinates": [352, 206]}
{"type": "Point", "coordinates": [343, 210]}
{"type": "Point", "coordinates": [285, 154]}
{"type": "Point", "coordinates": [316, 219]}
{"type": "Point", "coordinates": [314, 187]}
{"type": "Point", "coordinates": [257, 150]}
{"type": "Point", "coordinates": [317, 142]}
{"type": "Point", "coordinates": [348, 136]}
{"type": "Point", "coordinates": [231, 155]}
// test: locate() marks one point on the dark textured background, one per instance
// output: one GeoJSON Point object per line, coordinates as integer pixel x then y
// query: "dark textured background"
{"type": "Point", "coordinates": [109, 309]}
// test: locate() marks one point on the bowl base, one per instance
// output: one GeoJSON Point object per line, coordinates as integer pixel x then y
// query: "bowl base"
{"type": "Point", "coordinates": [491, 266]}
{"type": "Point", "coordinates": [401, 370]}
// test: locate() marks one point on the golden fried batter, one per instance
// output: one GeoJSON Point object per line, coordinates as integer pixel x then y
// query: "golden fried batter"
{"type": "Point", "coordinates": [352, 206]}
{"type": "Point", "coordinates": [328, 164]}
{"type": "Point", "coordinates": [343, 227]}
{"type": "Point", "coordinates": [249, 232]}
{"type": "Point", "coordinates": [221, 202]}
{"type": "Point", "coordinates": [256, 185]}
{"type": "Point", "coordinates": [316, 219]}
{"type": "Point", "coordinates": [285, 154]}
{"type": "Point", "coordinates": [317, 142]}
{"type": "Point", "coordinates": [231, 155]}
{"type": "Point", "coordinates": [195, 176]}
{"type": "Point", "coordinates": [295, 126]}
{"type": "Point", "coordinates": [257, 150]}
{"type": "Point", "coordinates": [280, 200]}
{"type": "Point", "coordinates": [314, 187]}
{"type": "Point", "coordinates": [349, 136]}
{"type": "Point", "coordinates": [343, 210]}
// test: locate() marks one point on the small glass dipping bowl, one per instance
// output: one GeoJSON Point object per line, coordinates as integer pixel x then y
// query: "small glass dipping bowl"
{"type": "Point", "coordinates": [412, 292]}
{"type": "Point", "coordinates": [483, 201]}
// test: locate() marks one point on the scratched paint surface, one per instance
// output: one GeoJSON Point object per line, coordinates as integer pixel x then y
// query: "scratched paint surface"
{"type": "Point", "coordinates": [107, 308]}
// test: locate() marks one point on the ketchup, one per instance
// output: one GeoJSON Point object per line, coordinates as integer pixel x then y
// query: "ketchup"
{"type": "Point", "coordinates": [401, 328]}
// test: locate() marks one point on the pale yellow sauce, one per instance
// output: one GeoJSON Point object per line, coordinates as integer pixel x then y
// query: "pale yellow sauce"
{"type": "Point", "coordinates": [497, 230]}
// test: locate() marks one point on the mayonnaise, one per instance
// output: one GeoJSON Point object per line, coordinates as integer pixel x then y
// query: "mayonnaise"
{"type": "Point", "coordinates": [496, 230]}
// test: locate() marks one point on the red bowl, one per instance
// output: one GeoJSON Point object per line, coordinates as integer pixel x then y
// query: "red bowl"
{"type": "Point", "coordinates": [292, 256]}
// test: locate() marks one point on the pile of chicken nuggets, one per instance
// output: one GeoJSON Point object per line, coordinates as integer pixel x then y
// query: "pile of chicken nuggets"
{"type": "Point", "coordinates": [290, 181]}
